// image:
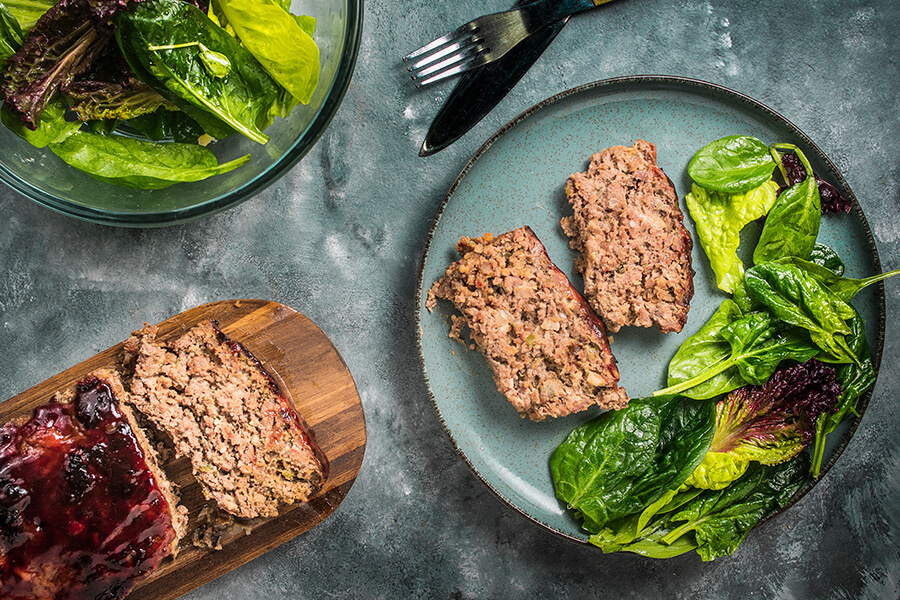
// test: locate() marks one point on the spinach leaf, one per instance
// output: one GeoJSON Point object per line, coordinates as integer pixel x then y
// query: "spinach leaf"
{"type": "Point", "coordinates": [714, 522]}
{"type": "Point", "coordinates": [719, 219]}
{"type": "Point", "coordinates": [706, 353]}
{"type": "Point", "coordinates": [797, 298]}
{"type": "Point", "coordinates": [844, 288]}
{"type": "Point", "coordinates": [626, 459]}
{"type": "Point", "coordinates": [733, 349]}
{"type": "Point", "coordinates": [825, 256]}
{"type": "Point", "coordinates": [51, 126]}
{"type": "Point", "coordinates": [241, 100]}
{"type": "Point", "coordinates": [138, 163]}
{"type": "Point", "coordinates": [27, 12]}
{"type": "Point", "coordinates": [855, 380]}
{"type": "Point", "coordinates": [793, 223]}
{"type": "Point", "coordinates": [743, 299]}
{"type": "Point", "coordinates": [719, 520]}
{"type": "Point", "coordinates": [216, 63]}
{"type": "Point", "coordinates": [733, 164]}
{"type": "Point", "coordinates": [10, 34]}
{"type": "Point", "coordinates": [278, 41]}
{"type": "Point", "coordinates": [161, 124]}
{"type": "Point", "coordinates": [641, 532]}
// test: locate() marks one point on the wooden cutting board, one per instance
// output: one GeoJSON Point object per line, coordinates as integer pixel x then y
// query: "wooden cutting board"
{"type": "Point", "coordinates": [314, 375]}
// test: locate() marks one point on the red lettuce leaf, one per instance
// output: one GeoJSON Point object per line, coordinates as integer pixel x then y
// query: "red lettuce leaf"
{"type": "Point", "coordinates": [62, 45]}
{"type": "Point", "coordinates": [783, 411]}
{"type": "Point", "coordinates": [832, 201]}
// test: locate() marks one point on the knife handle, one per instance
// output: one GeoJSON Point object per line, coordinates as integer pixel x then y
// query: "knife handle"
{"type": "Point", "coordinates": [550, 11]}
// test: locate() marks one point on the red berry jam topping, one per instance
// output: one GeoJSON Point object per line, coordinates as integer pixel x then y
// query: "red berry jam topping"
{"type": "Point", "coordinates": [81, 514]}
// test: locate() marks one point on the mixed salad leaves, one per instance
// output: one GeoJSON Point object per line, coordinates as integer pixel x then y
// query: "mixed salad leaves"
{"type": "Point", "coordinates": [781, 363]}
{"type": "Point", "coordinates": [173, 74]}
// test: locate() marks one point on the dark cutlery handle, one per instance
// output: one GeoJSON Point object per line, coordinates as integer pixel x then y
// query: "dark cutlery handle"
{"type": "Point", "coordinates": [477, 92]}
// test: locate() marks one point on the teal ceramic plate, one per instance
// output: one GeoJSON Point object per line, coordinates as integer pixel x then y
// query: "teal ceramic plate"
{"type": "Point", "coordinates": [517, 178]}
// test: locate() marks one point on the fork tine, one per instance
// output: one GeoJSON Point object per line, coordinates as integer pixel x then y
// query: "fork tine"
{"type": "Point", "coordinates": [447, 38]}
{"type": "Point", "coordinates": [474, 61]}
{"type": "Point", "coordinates": [444, 52]}
{"type": "Point", "coordinates": [465, 54]}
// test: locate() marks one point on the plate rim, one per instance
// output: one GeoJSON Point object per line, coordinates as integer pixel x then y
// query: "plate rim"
{"type": "Point", "coordinates": [691, 85]}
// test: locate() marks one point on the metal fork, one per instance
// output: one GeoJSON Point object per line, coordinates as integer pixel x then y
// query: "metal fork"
{"type": "Point", "coordinates": [487, 38]}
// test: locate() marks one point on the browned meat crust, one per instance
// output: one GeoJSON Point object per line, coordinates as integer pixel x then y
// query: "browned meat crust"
{"type": "Point", "coordinates": [635, 253]}
{"type": "Point", "coordinates": [546, 348]}
{"type": "Point", "coordinates": [246, 443]}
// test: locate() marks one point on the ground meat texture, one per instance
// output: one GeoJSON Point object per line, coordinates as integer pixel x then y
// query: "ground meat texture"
{"type": "Point", "coordinates": [248, 448]}
{"type": "Point", "coordinates": [84, 510]}
{"type": "Point", "coordinates": [548, 351]}
{"type": "Point", "coordinates": [634, 252]}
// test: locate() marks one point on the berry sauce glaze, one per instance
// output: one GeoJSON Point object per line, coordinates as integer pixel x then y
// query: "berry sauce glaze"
{"type": "Point", "coordinates": [81, 514]}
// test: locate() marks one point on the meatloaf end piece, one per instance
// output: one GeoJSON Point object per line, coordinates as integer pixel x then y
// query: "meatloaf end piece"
{"type": "Point", "coordinates": [547, 349]}
{"type": "Point", "coordinates": [635, 254]}
{"type": "Point", "coordinates": [248, 447]}
{"type": "Point", "coordinates": [85, 511]}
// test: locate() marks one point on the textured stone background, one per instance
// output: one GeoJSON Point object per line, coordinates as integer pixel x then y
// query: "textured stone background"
{"type": "Point", "coordinates": [340, 237]}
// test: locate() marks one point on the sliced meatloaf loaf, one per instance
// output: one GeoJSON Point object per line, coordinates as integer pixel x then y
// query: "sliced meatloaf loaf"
{"type": "Point", "coordinates": [85, 511]}
{"type": "Point", "coordinates": [546, 348]}
{"type": "Point", "coordinates": [247, 445]}
{"type": "Point", "coordinates": [635, 254]}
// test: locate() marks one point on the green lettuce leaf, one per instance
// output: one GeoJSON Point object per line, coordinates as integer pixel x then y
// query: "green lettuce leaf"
{"type": "Point", "coordinates": [719, 219]}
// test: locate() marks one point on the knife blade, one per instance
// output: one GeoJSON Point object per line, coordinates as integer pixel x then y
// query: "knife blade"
{"type": "Point", "coordinates": [478, 91]}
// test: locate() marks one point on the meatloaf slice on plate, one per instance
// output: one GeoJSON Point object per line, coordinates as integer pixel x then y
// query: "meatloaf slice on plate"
{"type": "Point", "coordinates": [247, 445]}
{"type": "Point", "coordinates": [547, 349]}
{"type": "Point", "coordinates": [85, 511]}
{"type": "Point", "coordinates": [635, 254]}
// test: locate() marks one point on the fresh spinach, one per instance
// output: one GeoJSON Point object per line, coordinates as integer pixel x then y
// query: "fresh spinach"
{"type": "Point", "coordinates": [792, 224]}
{"type": "Point", "coordinates": [733, 349]}
{"type": "Point", "coordinates": [719, 219]}
{"type": "Point", "coordinates": [242, 99]}
{"type": "Point", "coordinates": [216, 63]}
{"type": "Point", "coordinates": [279, 41]}
{"type": "Point", "coordinates": [138, 163]}
{"type": "Point", "coordinates": [712, 522]}
{"type": "Point", "coordinates": [719, 520]}
{"type": "Point", "coordinates": [797, 298]}
{"type": "Point", "coordinates": [162, 124]}
{"type": "Point", "coordinates": [824, 256]}
{"type": "Point", "coordinates": [10, 34]}
{"type": "Point", "coordinates": [27, 12]}
{"type": "Point", "coordinates": [855, 380]}
{"type": "Point", "coordinates": [733, 164]}
{"type": "Point", "coordinates": [844, 288]}
{"type": "Point", "coordinates": [626, 459]}
{"type": "Point", "coordinates": [51, 126]}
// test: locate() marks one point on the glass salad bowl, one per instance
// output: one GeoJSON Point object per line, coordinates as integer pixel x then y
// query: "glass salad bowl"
{"type": "Point", "coordinates": [43, 177]}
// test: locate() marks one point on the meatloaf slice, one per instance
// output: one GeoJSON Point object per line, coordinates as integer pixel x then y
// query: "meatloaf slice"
{"type": "Point", "coordinates": [635, 254]}
{"type": "Point", "coordinates": [85, 511]}
{"type": "Point", "coordinates": [547, 349]}
{"type": "Point", "coordinates": [247, 445]}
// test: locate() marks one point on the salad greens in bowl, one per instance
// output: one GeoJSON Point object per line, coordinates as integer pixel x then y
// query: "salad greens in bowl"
{"type": "Point", "coordinates": [154, 112]}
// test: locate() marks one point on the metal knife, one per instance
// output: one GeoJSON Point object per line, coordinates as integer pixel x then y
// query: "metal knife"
{"type": "Point", "coordinates": [478, 91]}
